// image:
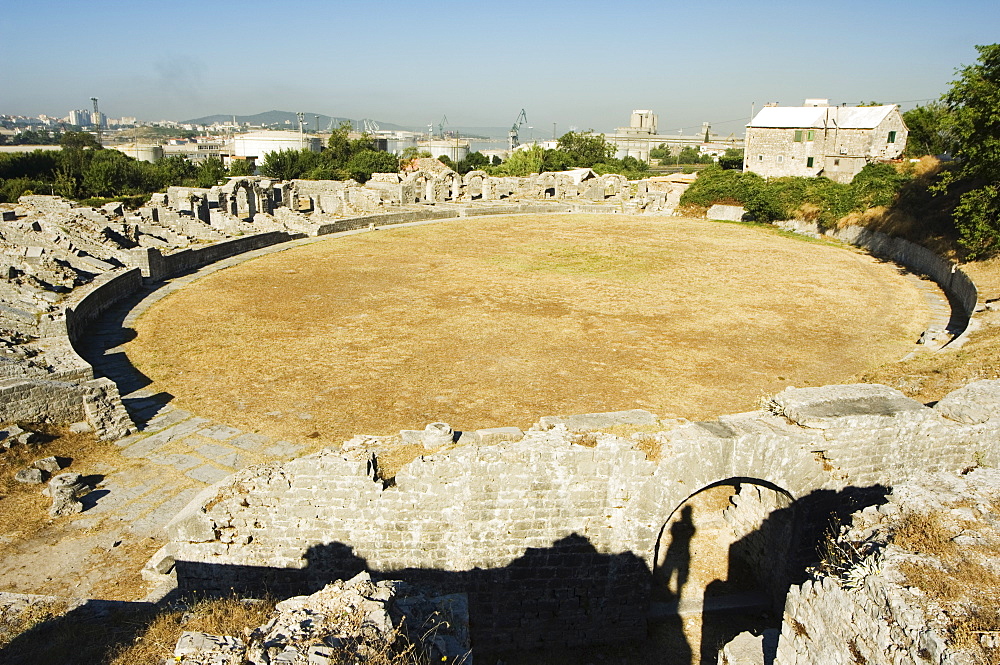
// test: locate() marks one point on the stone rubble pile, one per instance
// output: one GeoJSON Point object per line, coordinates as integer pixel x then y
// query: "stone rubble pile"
{"type": "Point", "coordinates": [863, 606]}
{"type": "Point", "coordinates": [345, 622]}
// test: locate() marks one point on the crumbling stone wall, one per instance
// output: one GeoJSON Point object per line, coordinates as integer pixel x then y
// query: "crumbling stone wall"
{"type": "Point", "coordinates": [865, 609]}
{"type": "Point", "coordinates": [485, 519]}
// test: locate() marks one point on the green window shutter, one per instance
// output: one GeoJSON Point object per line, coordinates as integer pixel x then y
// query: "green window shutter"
{"type": "Point", "coordinates": [892, 137]}
{"type": "Point", "coordinates": [810, 135]}
{"type": "Point", "coordinates": [798, 135]}
{"type": "Point", "coordinates": [809, 162]}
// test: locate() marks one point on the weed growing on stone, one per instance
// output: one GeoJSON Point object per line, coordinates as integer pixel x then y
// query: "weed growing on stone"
{"type": "Point", "coordinates": [17, 621]}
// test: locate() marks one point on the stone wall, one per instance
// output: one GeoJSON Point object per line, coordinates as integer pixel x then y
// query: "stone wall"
{"type": "Point", "coordinates": [96, 401]}
{"type": "Point", "coordinates": [864, 609]}
{"type": "Point", "coordinates": [156, 266]}
{"type": "Point", "coordinates": [958, 286]}
{"type": "Point", "coordinates": [553, 540]}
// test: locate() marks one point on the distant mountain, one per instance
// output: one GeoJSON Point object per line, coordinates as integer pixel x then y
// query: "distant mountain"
{"type": "Point", "coordinates": [289, 120]}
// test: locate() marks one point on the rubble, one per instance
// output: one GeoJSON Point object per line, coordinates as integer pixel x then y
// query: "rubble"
{"type": "Point", "coordinates": [350, 621]}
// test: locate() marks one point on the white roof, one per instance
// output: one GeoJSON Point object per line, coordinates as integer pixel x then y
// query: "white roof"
{"type": "Point", "coordinates": [844, 117]}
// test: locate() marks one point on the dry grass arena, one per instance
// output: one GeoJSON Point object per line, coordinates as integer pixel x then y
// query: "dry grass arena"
{"type": "Point", "coordinates": [498, 321]}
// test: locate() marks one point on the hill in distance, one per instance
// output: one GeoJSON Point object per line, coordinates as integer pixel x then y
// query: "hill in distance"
{"type": "Point", "coordinates": [288, 120]}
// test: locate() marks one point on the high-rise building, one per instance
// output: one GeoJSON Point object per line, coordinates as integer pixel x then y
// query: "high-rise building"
{"type": "Point", "coordinates": [80, 117]}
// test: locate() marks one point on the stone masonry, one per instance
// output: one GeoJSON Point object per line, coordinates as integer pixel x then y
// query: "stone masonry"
{"type": "Point", "coordinates": [544, 532]}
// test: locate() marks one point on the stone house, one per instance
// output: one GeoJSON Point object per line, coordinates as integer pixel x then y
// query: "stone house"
{"type": "Point", "coordinates": [822, 140]}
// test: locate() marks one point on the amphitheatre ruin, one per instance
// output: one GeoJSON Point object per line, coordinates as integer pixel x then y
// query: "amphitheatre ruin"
{"type": "Point", "coordinates": [508, 391]}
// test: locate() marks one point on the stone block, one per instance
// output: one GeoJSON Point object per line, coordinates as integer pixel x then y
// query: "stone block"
{"type": "Point", "coordinates": [494, 435]}
{"type": "Point", "coordinates": [30, 476]}
{"type": "Point", "coordinates": [47, 464]}
{"type": "Point", "coordinates": [972, 404]}
{"type": "Point", "coordinates": [726, 213]}
{"type": "Point", "coordinates": [596, 421]}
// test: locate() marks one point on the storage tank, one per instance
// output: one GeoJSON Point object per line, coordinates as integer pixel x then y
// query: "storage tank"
{"type": "Point", "coordinates": [259, 144]}
{"type": "Point", "coordinates": [141, 152]}
{"type": "Point", "coordinates": [454, 149]}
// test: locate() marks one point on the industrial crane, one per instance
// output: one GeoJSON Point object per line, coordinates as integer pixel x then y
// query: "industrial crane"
{"type": "Point", "coordinates": [513, 141]}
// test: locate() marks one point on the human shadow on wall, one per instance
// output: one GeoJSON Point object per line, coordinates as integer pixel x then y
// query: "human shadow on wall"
{"type": "Point", "coordinates": [563, 595]}
{"type": "Point", "coordinates": [768, 561]}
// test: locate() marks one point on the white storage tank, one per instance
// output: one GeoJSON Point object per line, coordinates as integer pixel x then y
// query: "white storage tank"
{"type": "Point", "coordinates": [454, 149]}
{"type": "Point", "coordinates": [259, 144]}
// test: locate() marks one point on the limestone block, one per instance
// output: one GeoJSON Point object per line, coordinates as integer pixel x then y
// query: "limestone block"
{"type": "Point", "coordinates": [200, 648]}
{"type": "Point", "coordinates": [494, 435]}
{"type": "Point", "coordinates": [726, 213]}
{"type": "Point", "coordinates": [47, 464]}
{"type": "Point", "coordinates": [437, 435]}
{"type": "Point", "coordinates": [65, 490]}
{"type": "Point", "coordinates": [596, 421]}
{"type": "Point", "coordinates": [30, 476]}
{"type": "Point", "coordinates": [972, 404]}
{"type": "Point", "coordinates": [192, 527]}
{"type": "Point", "coordinates": [823, 407]}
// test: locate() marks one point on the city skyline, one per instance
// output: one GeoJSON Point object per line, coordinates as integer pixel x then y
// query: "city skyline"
{"type": "Point", "coordinates": [582, 65]}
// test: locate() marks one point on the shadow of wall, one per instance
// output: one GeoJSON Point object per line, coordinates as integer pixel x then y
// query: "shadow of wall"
{"type": "Point", "coordinates": [563, 595]}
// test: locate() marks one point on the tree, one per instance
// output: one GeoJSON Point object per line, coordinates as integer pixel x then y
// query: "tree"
{"type": "Point", "coordinates": [973, 100]}
{"type": "Point", "coordinates": [210, 172]}
{"type": "Point", "coordinates": [474, 161]}
{"type": "Point", "coordinates": [242, 167]}
{"type": "Point", "coordinates": [930, 130]}
{"type": "Point", "coordinates": [362, 165]}
{"type": "Point", "coordinates": [79, 141]}
{"type": "Point", "coordinates": [586, 148]}
{"type": "Point", "coordinates": [733, 159]}
{"type": "Point", "coordinates": [338, 147]}
{"type": "Point", "coordinates": [523, 162]}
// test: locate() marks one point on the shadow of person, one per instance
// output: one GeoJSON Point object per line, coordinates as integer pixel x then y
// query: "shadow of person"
{"type": "Point", "coordinates": [676, 566]}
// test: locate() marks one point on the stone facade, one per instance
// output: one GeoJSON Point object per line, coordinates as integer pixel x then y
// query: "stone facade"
{"type": "Point", "coordinates": [836, 142]}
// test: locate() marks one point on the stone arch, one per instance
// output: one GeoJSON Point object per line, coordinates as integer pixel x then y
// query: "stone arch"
{"type": "Point", "coordinates": [474, 181]}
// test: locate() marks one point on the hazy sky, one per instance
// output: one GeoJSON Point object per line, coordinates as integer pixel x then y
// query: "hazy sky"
{"type": "Point", "coordinates": [579, 64]}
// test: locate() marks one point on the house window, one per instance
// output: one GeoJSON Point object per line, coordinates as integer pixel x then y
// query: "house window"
{"type": "Point", "coordinates": [892, 137]}
{"type": "Point", "coordinates": [798, 135]}
{"type": "Point", "coordinates": [809, 162]}
{"type": "Point", "coordinates": [810, 135]}
{"type": "Point", "coordinates": [760, 158]}
{"type": "Point", "coordinates": [781, 158]}
{"type": "Point", "coordinates": [836, 162]}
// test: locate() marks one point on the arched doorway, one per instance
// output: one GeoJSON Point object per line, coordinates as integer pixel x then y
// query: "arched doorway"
{"type": "Point", "coordinates": [720, 564]}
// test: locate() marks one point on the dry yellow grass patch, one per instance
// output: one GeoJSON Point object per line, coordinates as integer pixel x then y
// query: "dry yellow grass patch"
{"type": "Point", "coordinates": [220, 616]}
{"type": "Point", "coordinates": [23, 508]}
{"type": "Point", "coordinates": [955, 578]}
{"type": "Point", "coordinates": [499, 321]}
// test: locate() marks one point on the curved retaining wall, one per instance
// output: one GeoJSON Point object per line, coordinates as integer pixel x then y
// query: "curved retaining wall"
{"type": "Point", "coordinates": [958, 286]}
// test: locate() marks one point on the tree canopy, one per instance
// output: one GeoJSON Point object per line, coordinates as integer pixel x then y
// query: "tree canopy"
{"type": "Point", "coordinates": [974, 100]}
{"type": "Point", "coordinates": [585, 148]}
{"type": "Point", "coordinates": [930, 130]}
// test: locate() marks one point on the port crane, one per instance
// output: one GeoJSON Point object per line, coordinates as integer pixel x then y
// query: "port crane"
{"type": "Point", "coordinates": [512, 135]}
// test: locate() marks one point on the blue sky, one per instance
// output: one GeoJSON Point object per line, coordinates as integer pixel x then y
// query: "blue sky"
{"type": "Point", "coordinates": [579, 64]}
